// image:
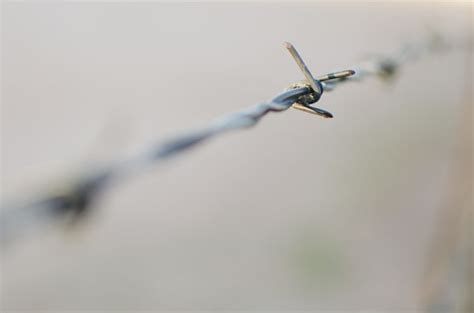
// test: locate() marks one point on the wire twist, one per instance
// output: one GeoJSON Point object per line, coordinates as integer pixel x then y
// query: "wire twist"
{"type": "Point", "coordinates": [79, 195]}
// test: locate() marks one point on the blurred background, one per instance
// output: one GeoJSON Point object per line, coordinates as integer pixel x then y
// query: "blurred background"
{"type": "Point", "coordinates": [371, 210]}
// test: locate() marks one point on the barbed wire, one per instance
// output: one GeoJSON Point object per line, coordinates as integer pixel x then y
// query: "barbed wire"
{"type": "Point", "coordinates": [75, 197]}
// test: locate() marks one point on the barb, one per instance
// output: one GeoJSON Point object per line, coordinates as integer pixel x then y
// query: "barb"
{"type": "Point", "coordinates": [304, 102]}
{"type": "Point", "coordinates": [79, 195]}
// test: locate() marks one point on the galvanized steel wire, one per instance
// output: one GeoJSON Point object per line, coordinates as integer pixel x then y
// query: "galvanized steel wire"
{"type": "Point", "coordinates": [77, 196]}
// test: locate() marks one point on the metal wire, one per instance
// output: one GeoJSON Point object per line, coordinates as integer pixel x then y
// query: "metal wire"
{"type": "Point", "coordinates": [78, 196]}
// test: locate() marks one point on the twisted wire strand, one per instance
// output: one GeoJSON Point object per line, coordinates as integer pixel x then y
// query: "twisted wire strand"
{"type": "Point", "coordinates": [78, 195]}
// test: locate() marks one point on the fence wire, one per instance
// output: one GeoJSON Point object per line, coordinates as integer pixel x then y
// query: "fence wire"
{"type": "Point", "coordinates": [78, 195]}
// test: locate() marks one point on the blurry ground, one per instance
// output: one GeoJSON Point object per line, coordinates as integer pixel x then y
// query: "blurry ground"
{"type": "Point", "coordinates": [358, 212]}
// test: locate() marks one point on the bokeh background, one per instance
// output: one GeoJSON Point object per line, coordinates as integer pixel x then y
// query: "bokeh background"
{"type": "Point", "coordinates": [371, 210]}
